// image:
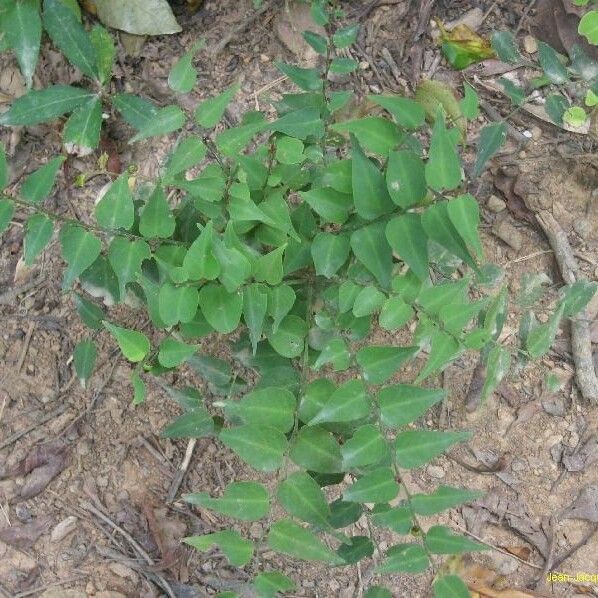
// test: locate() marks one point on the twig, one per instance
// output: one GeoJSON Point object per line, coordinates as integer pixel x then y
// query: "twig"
{"type": "Point", "coordinates": [25, 348]}
{"type": "Point", "coordinates": [496, 116]}
{"type": "Point", "coordinates": [234, 31]}
{"type": "Point", "coordinates": [177, 480]}
{"type": "Point", "coordinates": [549, 557]}
{"type": "Point", "coordinates": [394, 67]}
{"type": "Point", "coordinates": [581, 344]}
{"type": "Point", "coordinates": [8, 297]}
{"type": "Point", "coordinates": [568, 553]}
{"type": "Point", "coordinates": [524, 15]}
{"type": "Point", "coordinates": [11, 439]}
{"type": "Point", "coordinates": [60, 582]}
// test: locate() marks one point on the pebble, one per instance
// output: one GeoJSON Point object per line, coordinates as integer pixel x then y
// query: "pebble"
{"type": "Point", "coordinates": [23, 512]}
{"type": "Point", "coordinates": [496, 204]}
{"type": "Point", "coordinates": [530, 45]}
{"type": "Point", "coordinates": [63, 529]}
{"type": "Point", "coordinates": [435, 471]}
{"type": "Point", "coordinates": [509, 234]}
{"type": "Point", "coordinates": [536, 133]}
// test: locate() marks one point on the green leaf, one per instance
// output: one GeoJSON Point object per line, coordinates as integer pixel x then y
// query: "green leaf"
{"type": "Point", "coordinates": [173, 352]}
{"type": "Point", "coordinates": [89, 312]}
{"type": "Point", "coordinates": [406, 178]}
{"type": "Point", "coordinates": [38, 184]}
{"type": "Point", "coordinates": [280, 301]}
{"type": "Point", "coordinates": [336, 353]}
{"type": "Point", "coordinates": [515, 93]}
{"type": "Point", "coordinates": [45, 104]}
{"type": "Point", "coordinates": [331, 205]}
{"type": "Point", "coordinates": [316, 41]}
{"type": "Point", "coordinates": [209, 112]}
{"type": "Point", "coordinates": [189, 152]}
{"type": "Point", "coordinates": [115, 209]}
{"type": "Point", "coordinates": [269, 583]}
{"type": "Point", "coordinates": [139, 390]}
{"type": "Point", "coordinates": [238, 550]}
{"type": "Point", "coordinates": [67, 32]}
{"type": "Point", "coordinates": [402, 404]}
{"type": "Point", "coordinates": [84, 359]}
{"type": "Point", "coordinates": [134, 345]}
{"type": "Point", "coordinates": [444, 348]}
{"type": "Point", "coordinates": [314, 398]}
{"type": "Point", "coordinates": [164, 121]}
{"type": "Point", "coordinates": [137, 111]}
{"type": "Point", "coordinates": [503, 43]}
{"type": "Point", "coordinates": [221, 309]}
{"type": "Point", "coordinates": [199, 261]}
{"type": "Point", "coordinates": [344, 513]}
{"type": "Point", "coordinates": [491, 139]}
{"type": "Point", "coordinates": [409, 241]}
{"type": "Point", "coordinates": [235, 268]}
{"type": "Point", "coordinates": [84, 124]}
{"type": "Point", "coordinates": [255, 306]}
{"type": "Point", "coordinates": [368, 301]}
{"type": "Point", "coordinates": [441, 540]}
{"type": "Point", "coordinates": [301, 497]}
{"type": "Point", "coordinates": [404, 558]}
{"type": "Point", "coordinates": [443, 168]}
{"type": "Point", "coordinates": [550, 62]}
{"type": "Point", "coordinates": [301, 123]}
{"type": "Point", "coordinates": [194, 424]}
{"type": "Point", "coordinates": [415, 448]}
{"type": "Point", "coordinates": [347, 403]}
{"type": "Point", "coordinates": [7, 209]}
{"type": "Point", "coordinates": [395, 314]}
{"type": "Point", "coordinates": [369, 187]}
{"type": "Point", "coordinates": [366, 447]}
{"type": "Point", "coordinates": [259, 446]}
{"type": "Point", "coordinates": [289, 150]}
{"type": "Point", "coordinates": [156, 219]}
{"type": "Point", "coordinates": [105, 51]}
{"type": "Point", "coordinates": [450, 586]}
{"type": "Point", "coordinates": [177, 304]}
{"type": "Point", "coordinates": [126, 258]}
{"type": "Point", "coordinates": [306, 79]}
{"type": "Point", "coordinates": [540, 339]}
{"type": "Point", "coordinates": [555, 107]}
{"type": "Point", "coordinates": [329, 253]}
{"type": "Point", "coordinates": [376, 134]}
{"type": "Point", "coordinates": [80, 249]}
{"type": "Point", "coordinates": [289, 338]}
{"type": "Point", "coordinates": [407, 112]}
{"type": "Point", "coordinates": [377, 592]}
{"type": "Point", "coordinates": [576, 296]}
{"type": "Point", "coordinates": [345, 36]}
{"type": "Point", "coordinates": [216, 372]}
{"type": "Point", "coordinates": [183, 76]}
{"type": "Point", "coordinates": [272, 406]}
{"type": "Point", "coordinates": [316, 449]}
{"type": "Point", "coordinates": [497, 366]}
{"type": "Point", "coordinates": [470, 104]}
{"type": "Point", "coordinates": [379, 363]}
{"type": "Point", "coordinates": [290, 538]}
{"type": "Point", "coordinates": [588, 27]}
{"type": "Point", "coordinates": [397, 519]}
{"type": "Point", "coordinates": [444, 497]}
{"type": "Point", "coordinates": [464, 213]}
{"type": "Point", "coordinates": [360, 547]}
{"type": "Point", "coordinates": [247, 501]}
{"type": "Point", "coordinates": [268, 267]}
{"type": "Point", "coordinates": [575, 116]}
{"type": "Point", "coordinates": [22, 26]}
{"type": "Point", "coordinates": [371, 248]}
{"type": "Point", "coordinates": [378, 485]}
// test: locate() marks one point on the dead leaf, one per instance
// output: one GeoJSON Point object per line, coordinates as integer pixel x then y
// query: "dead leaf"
{"type": "Point", "coordinates": [584, 457]}
{"type": "Point", "coordinates": [140, 17]}
{"type": "Point", "coordinates": [522, 552]}
{"type": "Point", "coordinates": [462, 46]}
{"type": "Point", "coordinates": [25, 536]}
{"type": "Point", "coordinates": [585, 506]}
{"type": "Point", "coordinates": [167, 533]}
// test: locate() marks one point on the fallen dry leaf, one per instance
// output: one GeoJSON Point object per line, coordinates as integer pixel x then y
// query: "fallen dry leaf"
{"type": "Point", "coordinates": [25, 536]}
{"type": "Point", "coordinates": [585, 506]}
{"type": "Point", "coordinates": [167, 532]}
{"type": "Point", "coordinates": [584, 457]}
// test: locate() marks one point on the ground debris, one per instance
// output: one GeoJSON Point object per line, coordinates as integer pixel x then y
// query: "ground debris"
{"type": "Point", "coordinates": [25, 536]}
{"type": "Point", "coordinates": [585, 506]}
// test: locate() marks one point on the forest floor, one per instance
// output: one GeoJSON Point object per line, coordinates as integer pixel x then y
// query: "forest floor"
{"type": "Point", "coordinates": [100, 467]}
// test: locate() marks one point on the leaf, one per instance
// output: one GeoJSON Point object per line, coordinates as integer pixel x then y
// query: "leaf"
{"type": "Point", "coordinates": [134, 345]}
{"type": "Point", "coordinates": [196, 423]}
{"type": "Point", "coordinates": [402, 404]}
{"type": "Point", "coordinates": [376, 486]}
{"type": "Point", "coordinates": [156, 219]}
{"type": "Point", "coordinates": [443, 168]}
{"type": "Point", "coordinates": [366, 447]}
{"type": "Point", "coordinates": [173, 352]}
{"type": "Point", "coordinates": [272, 406]}
{"type": "Point", "coordinates": [470, 104]}
{"type": "Point", "coordinates": [216, 372]}
{"type": "Point", "coordinates": [588, 27]}
{"type": "Point", "coordinates": [22, 26]}
{"type": "Point", "coordinates": [371, 248]}
{"type": "Point", "coordinates": [444, 348]}
{"type": "Point", "coordinates": [551, 64]}
{"type": "Point", "coordinates": [115, 210]}
{"type": "Point", "coordinates": [300, 123]}
{"type": "Point", "coordinates": [397, 519]}
{"type": "Point", "coordinates": [406, 179]}
{"type": "Point", "coordinates": [379, 363]}
{"type": "Point", "coordinates": [360, 547]}
{"type": "Point", "coordinates": [255, 306]}
{"type": "Point", "coordinates": [38, 184]}
{"type": "Point", "coordinates": [316, 449]}
{"type": "Point", "coordinates": [183, 76]}
{"type": "Point", "coordinates": [177, 304]}
{"type": "Point", "coordinates": [289, 338]}
{"type": "Point", "coordinates": [89, 312]}
{"type": "Point", "coordinates": [67, 32]}
{"type": "Point", "coordinates": [434, 96]}
{"type": "Point", "coordinates": [126, 258]}
{"type": "Point", "coordinates": [497, 366]}
{"type": "Point", "coordinates": [407, 112]}
{"type": "Point", "coordinates": [555, 107]}
{"type": "Point", "coordinates": [259, 446]}
{"type": "Point", "coordinates": [464, 213]}
{"type": "Point", "coordinates": [189, 152]}
{"type": "Point", "coordinates": [301, 497]}
{"type": "Point", "coordinates": [377, 592]}
{"type": "Point", "coordinates": [238, 550]}
{"type": "Point", "coordinates": [84, 124]}
{"type": "Point", "coordinates": [269, 583]}
{"type": "Point", "coordinates": [369, 187]}
{"type": "Point", "coordinates": [165, 120]}
{"type": "Point", "coordinates": [221, 309]}
{"type": "Point", "coordinates": [368, 301]}
{"type": "Point", "coordinates": [395, 314]}
{"type": "Point", "coordinates": [462, 46]}
{"type": "Point", "coordinates": [576, 296]}
{"type": "Point", "coordinates": [7, 210]}
{"type": "Point", "coordinates": [441, 540]}
{"type": "Point", "coordinates": [329, 204]}
{"type": "Point", "coordinates": [491, 139]}
{"type": "Point", "coordinates": [503, 43]}
{"type": "Point", "coordinates": [344, 513]}
{"type": "Point", "coordinates": [329, 253]}
{"type": "Point", "coordinates": [84, 359]}
{"type": "Point", "coordinates": [105, 52]}
{"type": "Point", "coordinates": [345, 36]}
{"type": "Point", "coordinates": [415, 448]}
{"type": "Point", "coordinates": [575, 116]}
{"type": "Point", "coordinates": [44, 104]}
{"type": "Point", "coordinates": [306, 79]}
{"type": "Point", "coordinates": [290, 538]}
{"type": "Point", "coordinates": [376, 134]}
{"type": "Point", "coordinates": [444, 497]}
{"type": "Point", "coordinates": [289, 150]}
{"type": "Point", "coordinates": [139, 17]}
{"type": "Point", "coordinates": [247, 501]}
{"type": "Point", "coordinates": [404, 558]}
{"type": "Point", "coordinates": [347, 403]}
{"type": "Point", "coordinates": [137, 111]}
{"type": "Point", "coordinates": [268, 267]}
{"type": "Point", "coordinates": [139, 390]}
{"type": "Point", "coordinates": [316, 41]}
{"type": "Point", "coordinates": [209, 112]}
{"type": "Point", "coordinates": [540, 339]}
{"type": "Point", "coordinates": [409, 240]}
{"type": "Point", "coordinates": [280, 301]}
{"type": "Point", "coordinates": [80, 249]}
{"type": "Point", "coordinates": [199, 261]}
{"type": "Point", "coordinates": [450, 586]}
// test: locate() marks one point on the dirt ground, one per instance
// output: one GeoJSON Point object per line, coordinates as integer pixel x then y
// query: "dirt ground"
{"type": "Point", "coordinates": [85, 476]}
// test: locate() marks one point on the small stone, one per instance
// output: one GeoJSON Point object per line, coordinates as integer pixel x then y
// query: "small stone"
{"type": "Point", "coordinates": [23, 513]}
{"type": "Point", "coordinates": [506, 232]}
{"type": "Point", "coordinates": [496, 204]}
{"type": "Point", "coordinates": [435, 471]}
{"type": "Point", "coordinates": [530, 45]}
{"type": "Point", "coordinates": [536, 133]}
{"type": "Point", "coordinates": [63, 529]}
{"type": "Point", "coordinates": [256, 530]}
{"type": "Point", "coordinates": [264, 58]}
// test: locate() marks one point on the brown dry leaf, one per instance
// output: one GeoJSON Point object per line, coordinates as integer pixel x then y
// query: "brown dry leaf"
{"type": "Point", "coordinates": [584, 457]}
{"type": "Point", "coordinates": [585, 506]}
{"type": "Point", "coordinates": [522, 552]}
{"type": "Point", "coordinates": [167, 532]}
{"type": "Point", "coordinates": [25, 536]}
